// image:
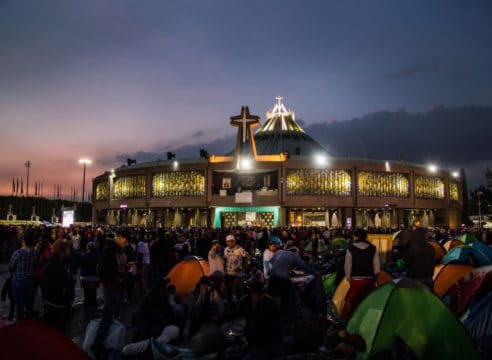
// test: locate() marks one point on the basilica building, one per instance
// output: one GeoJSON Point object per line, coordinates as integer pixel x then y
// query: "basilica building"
{"type": "Point", "coordinates": [276, 175]}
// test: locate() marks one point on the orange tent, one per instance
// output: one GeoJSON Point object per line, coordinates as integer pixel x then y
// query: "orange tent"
{"type": "Point", "coordinates": [445, 276]}
{"type": "Point", "coordinates": [383, 277]}
{"type": "Point", "coordinates": [439, 251]}
{"type": "Point", "coordinates": [186, 274]}
{"type": "Point", "coordinates": [448, 245]}
{"type": "Point", "coordinates": [341, 292]}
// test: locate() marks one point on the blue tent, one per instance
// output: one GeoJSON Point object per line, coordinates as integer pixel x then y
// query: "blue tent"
{"type": "Point", "coordinates": [487, 251]}
{"type": "Point", "coordinates": [465, 254]}
{"type": "Point", "coordinates": [478, 323]}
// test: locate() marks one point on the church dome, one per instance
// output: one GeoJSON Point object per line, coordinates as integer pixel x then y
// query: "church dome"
{"type": "Point", "coordinates": [281, 133]}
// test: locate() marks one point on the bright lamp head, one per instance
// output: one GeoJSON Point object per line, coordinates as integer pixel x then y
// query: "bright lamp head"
{"type": "Point", "coordinates": [321, 160]}
{"type": "Point", "coordinates": [85, 161]}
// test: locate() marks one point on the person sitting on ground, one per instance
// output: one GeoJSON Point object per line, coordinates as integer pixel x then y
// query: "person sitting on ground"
{"type": "Point", "coordinates": [262, 316]}
{"type": "Point", "coordinates": [155, 311]}
{"type": "Point", "coordinates": [206, 305]}
{"type": "Point", "coordinates": [179, 306]}
{"type": "Point", "coordinates": [362, 264]}
{"type": "Point", "coordinates": [255, 275]}
{"type": "Point", "coordinates": [58, 287]}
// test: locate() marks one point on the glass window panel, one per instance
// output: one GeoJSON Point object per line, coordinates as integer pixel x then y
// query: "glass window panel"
{"type": "Point", "coordinates": [130, 187]}
{"type": "Point", "coordinates": [383, 184]}
{"type": "Point", "coordinates": [319, 182]}
{"type": "Point", "coordinates": [178, 183]}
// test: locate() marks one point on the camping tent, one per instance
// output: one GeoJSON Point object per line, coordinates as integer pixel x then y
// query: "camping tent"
{"type": "Point", "coordinates": [29, 339]}
{"type": "Point", "coordinates": [414, 315]}
{"type": "Point", "coordinates": [439, 251]}
{"type": "Point", "coordinates": [478, 323]}
{"type": "Point", "coordinates": [470, 287]}
{"type": "Point", "coordinates": [445, 275]}
{"type": "Point", "coordinates": [341, 292]}
{"type": "Point", "coordinates": [452, 243]}
{"type": "Point", "coordinates": [486, 250]}
{"type": "Point", "coordinates": [186, 274]}
{"type": "Point", "coordinates": [466, 254]}
{"type": "Point", "coordinates": [467, 238]}
{"type": "Point", "coordinates": [402, 238]}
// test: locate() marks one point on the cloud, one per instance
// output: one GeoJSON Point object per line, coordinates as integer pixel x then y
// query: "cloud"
{"type": "Point", "coordinates": [426, 66]}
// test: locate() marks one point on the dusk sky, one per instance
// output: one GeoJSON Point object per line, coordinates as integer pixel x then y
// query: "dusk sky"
{"type": "Point", "coordinates": [104, 78]}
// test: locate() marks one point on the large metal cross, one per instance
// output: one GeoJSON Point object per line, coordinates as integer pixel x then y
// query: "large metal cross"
{"type": "Point", "coordinates": [245, 121]}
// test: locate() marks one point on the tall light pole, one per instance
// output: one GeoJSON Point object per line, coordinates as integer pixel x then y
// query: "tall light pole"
{"type": "Point", "coordinates": [28, 166]}
{"type": "Point", "coordinates": [84, 162]}
{"type": "Point", "coordinates": [479, 210]}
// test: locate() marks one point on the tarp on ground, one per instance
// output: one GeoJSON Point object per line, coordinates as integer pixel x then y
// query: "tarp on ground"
{"type": "Point", "coordinates": [446, 275]}
{"type": "Point", "coordinates": [466, 254]}
{"type": "Point", "coordinates": [29, 339]}
{"type": "Point", "coordinates": [416, 316]}
{"type": "Point", "coordinates": [478, 323]}
{"type": "Point", "coordinates": [186, 274]}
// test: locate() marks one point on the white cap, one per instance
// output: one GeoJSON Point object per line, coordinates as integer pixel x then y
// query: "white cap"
{"type": "Point", "coordinates": [230, 237]}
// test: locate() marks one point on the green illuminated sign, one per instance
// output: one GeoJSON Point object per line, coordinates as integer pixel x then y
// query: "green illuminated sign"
{"type": "Point", "coordinates": [220, 209]}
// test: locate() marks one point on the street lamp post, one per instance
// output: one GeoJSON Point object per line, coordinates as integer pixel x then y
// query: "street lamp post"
{"type": "Point", "coordinates": [479, 210]}
{"type": "Point", "coordinates": [84, 162]}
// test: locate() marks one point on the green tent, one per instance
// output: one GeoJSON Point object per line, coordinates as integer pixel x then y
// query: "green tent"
{"type": "Point", "coordinates": [339, 242]}
{"type": "Point", "coordinates": [467, 238]}
{"type": "Point", "coordinates": [414, 315]}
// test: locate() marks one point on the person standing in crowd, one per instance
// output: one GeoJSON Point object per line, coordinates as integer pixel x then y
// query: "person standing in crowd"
{"type": "Point", "coordinates": [216, 263]}
{"type": "Point", "coordinates": [131, 260]}
{"type": "Point", "coordinates": [215, 260]}
{"type": "Point", "coordinates": [419, 257]}
{"type": "Point", "coordinates": [279, 283]}
{"type": "Point", "coordinates": [267, 257]}
{"type": "Point", "coordinates": [43, 247]}
{"type": "Point", "coordinates": [56, 283]}
{"type": "Point", "coordinates": [143, 262]}
{"type": "Point", "coordinates": [234, 256]}
{"type": "Point", "coordinates": [88, 275]}
{"type": "Point", "coordinates": [113, 272]}
{"type": "Point", "coordinates": [22, 266]}
{"type": "Point", "coordinates": [362, 264]}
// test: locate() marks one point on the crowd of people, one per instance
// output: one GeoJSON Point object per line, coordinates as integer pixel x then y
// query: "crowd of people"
{"type": "Point", "coordinates": [247, 306]}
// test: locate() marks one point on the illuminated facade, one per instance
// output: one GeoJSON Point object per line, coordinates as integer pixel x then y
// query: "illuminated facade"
{"type": "Point", "coordinates": [276, 176]}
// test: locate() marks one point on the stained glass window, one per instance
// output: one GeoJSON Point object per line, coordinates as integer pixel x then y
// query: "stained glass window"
{"type": "Point", "coordinates": [429, 187]}
{"type": "Point", "coordinates": [453, 191]}
{"type": "Point", "coordinates": [130, 187]}
{"type": "Point", "coordinates": [178, 183]}
{"type": "Point", "coordinates": [382, 184]}
{"type": "Point", "coordinates": [319, 182]}
{"type": "Point", "coordinates": [102, 191]}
